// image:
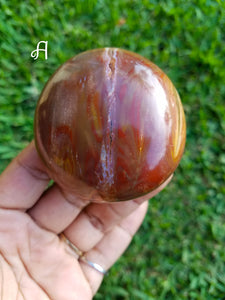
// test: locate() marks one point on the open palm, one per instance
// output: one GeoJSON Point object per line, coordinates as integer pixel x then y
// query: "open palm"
{"type": "Point", "coordinates": [35, 263]}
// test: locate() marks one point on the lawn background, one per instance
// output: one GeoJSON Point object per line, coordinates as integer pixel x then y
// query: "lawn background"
{"type": "Point", "coordinates": [179, 253]}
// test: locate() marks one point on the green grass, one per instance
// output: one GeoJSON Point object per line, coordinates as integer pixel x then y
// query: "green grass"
{"type": "Point", "coordinates": [179, 251]}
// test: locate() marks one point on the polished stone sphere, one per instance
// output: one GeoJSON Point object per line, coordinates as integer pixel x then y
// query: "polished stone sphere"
{"type": "Point", "coordinates": [109, 125]}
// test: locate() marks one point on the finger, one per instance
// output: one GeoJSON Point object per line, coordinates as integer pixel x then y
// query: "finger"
{"type": "Point", "coordinates": [97, 219]}
{"type": "Point", "coordinates": [40, 261]}
{"type": "Point", "coordinates": [112, 246]}
{"type": "Point", "coordinates": [23, 181]}
{"type": "Point", "coordinates": [57, 209]}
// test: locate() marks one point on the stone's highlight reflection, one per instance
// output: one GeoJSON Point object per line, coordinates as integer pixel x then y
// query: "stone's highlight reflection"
{"type": "Point", "coordinates": [110, 125]}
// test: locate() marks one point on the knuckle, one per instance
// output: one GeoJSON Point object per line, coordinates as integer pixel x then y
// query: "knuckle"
{"type": "Point", "coordinates": [96, 222]}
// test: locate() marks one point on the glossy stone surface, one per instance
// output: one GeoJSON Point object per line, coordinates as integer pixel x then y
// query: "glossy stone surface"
{"type": "Point", "coordinates": [110, 125]}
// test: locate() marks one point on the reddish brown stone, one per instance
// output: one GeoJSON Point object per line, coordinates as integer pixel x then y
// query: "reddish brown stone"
{"type": "Point", "coordinates": [110, 124]}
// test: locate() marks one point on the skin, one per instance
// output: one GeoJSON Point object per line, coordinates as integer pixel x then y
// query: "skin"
{"type": "Point", "coordinates": [35, 263]}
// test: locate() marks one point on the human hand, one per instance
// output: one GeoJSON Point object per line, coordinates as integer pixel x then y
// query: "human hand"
{"type": "Point", "coordinates": [36, 263]}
